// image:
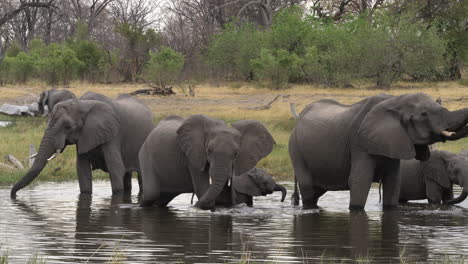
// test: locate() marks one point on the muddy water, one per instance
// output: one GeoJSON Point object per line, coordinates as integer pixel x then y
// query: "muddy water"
{"type": "Point", "coordinates": [53, 221]}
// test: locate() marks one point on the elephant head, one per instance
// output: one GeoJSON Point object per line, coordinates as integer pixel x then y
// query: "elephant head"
{"type": "Point", "coordinates": [402, 127]}
{"type": "Point", "coordinates": [86, 123]}
{"type": "Point", "coordinates": [43, 98]}
{"type": "Point", "coordinates": [456, 167]}
{"type": "Point", "coordinates": [222, 151]}
{"type": "Point", "coordinates": [257, 182]}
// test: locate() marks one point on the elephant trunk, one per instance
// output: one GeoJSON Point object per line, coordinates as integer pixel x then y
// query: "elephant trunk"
{"type": "Point", "coordinates": [46, 150]}
{"type": "Point", "coordinates": [219, 176]}
{"type": "Point", "coordinates": [457, 122]}
{"type": "Point", "coordinates": [279, 187]}
{"type": "Point", "coordinates": [463, 183]}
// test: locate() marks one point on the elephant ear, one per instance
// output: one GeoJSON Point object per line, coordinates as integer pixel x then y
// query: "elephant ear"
{"type": "Point", "coordinates": [44, 97]}
{"type": "Point", "coordinates": [191, 137]}
{"type": "Point", "coordinates": [382, 133]}
{"type": "Point", "coordinates": [256, 143]}
{"type": "Point", "coordinates": [435, 169]}
{"type": "Point", "coordinates": [247, 183]}
{"type": "Point", "coordinates": [100, 125]}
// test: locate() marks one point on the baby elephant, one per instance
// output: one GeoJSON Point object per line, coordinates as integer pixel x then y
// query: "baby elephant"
{"type": "Point", "coordinates": [256, 182]}
{"type": "Point", "coordinates": [433, 179]}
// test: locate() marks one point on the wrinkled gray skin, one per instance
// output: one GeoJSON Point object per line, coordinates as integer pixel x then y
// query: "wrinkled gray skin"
{"type": "Point", "coordinates": [433, 179]}
{"type": "Point", "coordinates": [347, 147]}
{"type": "Point", "coordinates": [256, 182]}
{"type": "Point", "coordinates": [52, 97]}
{"type": "Point", "coordinates": [182, 155]}
{"type": "Point", "coordinates": [107, 133]}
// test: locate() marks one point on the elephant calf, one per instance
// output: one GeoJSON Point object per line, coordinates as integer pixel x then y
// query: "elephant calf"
{"type": "Point", "coordinates": [433, 179]}
{"type": "Point", "coordinates": [256, 182]}
{"type": "Point", "coordinates": [52, 97]}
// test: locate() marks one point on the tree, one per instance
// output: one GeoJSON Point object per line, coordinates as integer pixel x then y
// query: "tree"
{"type": "Point", "coordinates": [164, 66]}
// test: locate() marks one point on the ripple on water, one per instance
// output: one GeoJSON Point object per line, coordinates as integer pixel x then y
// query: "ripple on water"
{"type": "Point", "coordinates": [53, 220]}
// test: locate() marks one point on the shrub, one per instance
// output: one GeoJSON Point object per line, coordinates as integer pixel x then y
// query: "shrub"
{"type": "Point", "coordinates": [164, 66]}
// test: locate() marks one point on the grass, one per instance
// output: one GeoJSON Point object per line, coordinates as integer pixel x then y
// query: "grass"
{"type": "Point", "coordinates": [225, 102]}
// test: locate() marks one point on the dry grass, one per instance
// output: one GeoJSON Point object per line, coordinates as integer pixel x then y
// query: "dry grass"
{"type": "Point", "coordinates": [223, 102]}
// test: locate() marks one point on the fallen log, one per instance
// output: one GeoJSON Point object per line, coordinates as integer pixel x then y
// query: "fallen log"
{"type": "Point", "coordinates": [154, 90]}
{"type": "Point", "coordinates": [5, 166]}
{"type": "Point", "coordinates": [263, 107]}
{"type": "Point", "coordinates": [15, 161]}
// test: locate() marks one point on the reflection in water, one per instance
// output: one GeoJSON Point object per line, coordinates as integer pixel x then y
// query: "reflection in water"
{"type": "Point", "coordinates": [5, 123]}
{"type": "Point", "coordinates": [51, 220]}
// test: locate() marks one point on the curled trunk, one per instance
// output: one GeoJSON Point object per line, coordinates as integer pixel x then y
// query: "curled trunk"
{"type": "Point", "coordinates": [458, 199]}
{"type": "Point", "coordinates": [281, 188]}
{"type": "Point", "coordinates": [219, 177]}
{"type": "Point", "coordinates": [46, 149]}
{"type": "Point", "coordinates": [457, 122]}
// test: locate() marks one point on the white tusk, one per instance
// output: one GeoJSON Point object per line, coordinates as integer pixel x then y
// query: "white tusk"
{"type": "Point", "coordinates": [33, 156]}
{"type": "Point", "coordinates": [54, 155]}
{"type": "Point", "coordinates": [448, 134]}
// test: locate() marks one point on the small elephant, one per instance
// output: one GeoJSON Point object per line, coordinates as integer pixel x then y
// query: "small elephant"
{"type": "Point", "coordinates": [182, 155]}
{"type": "Point", "coordinates": [433, 179]}
{"type": "Point", "coordinates": [52, 97]}
{"type": "Point", "coordinates": [347, 147]}
{"type": "Point", "coordinates": [256, 182]}
{"type": "Point", "coordinates": [107, 133]}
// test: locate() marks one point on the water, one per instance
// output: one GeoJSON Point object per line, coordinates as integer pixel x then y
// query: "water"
{"type": "Point", "coordinates": [51, 220]}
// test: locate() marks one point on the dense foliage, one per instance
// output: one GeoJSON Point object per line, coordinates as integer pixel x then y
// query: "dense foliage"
{"type": "Point", "coordinates": [334, 43]}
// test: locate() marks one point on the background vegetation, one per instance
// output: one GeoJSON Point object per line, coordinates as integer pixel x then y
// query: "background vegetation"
{"type": "Point", "coordinates": [271, 42]}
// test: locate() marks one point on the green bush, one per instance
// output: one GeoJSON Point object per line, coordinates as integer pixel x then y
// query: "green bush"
{"type": "Point", "coordinates": [59, 65]}
{"type": "Point", "coordinates": [164, 66]}
{"type": "Point", "coordinates": [92, 57]}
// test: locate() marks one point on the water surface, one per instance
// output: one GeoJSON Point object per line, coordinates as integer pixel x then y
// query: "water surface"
{"type": "Point", "coordinates": [53, 221]}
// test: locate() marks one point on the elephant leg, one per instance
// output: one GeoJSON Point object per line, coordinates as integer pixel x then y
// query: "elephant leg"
{"type": "Point", "coordinates": [310, 202]}
{"type": "Point", "coordinates": [360, 180]}
{"type": "Point", "coordinates": [127, 182]}
{"type": "Point", "coordinates": [140, 182]}
{"type": "Point", "coordinates": [200, 181]}
{"type": "Point", "coordinates": [304, 178]}
{"type": "Point", "coordinates": [391, 183]}
{"type": "Point", "coordinates": [433, 192]}
{"type": "Point", "coordinates": [165, 198]}
{"type": "Point", "coordinates": [83, 170]}
{"type": "Point", "coordinates": [115, 167]}
{"type": "Point", "coordinates": [150, 191]}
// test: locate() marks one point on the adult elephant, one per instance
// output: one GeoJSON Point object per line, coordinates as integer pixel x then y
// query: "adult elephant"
{"type": "Point", "coordinates": [433, 179]}
{"type": "Point", "coordinates": [256, 182]}
{"type": "Point", "coordinates": [182, 155]}
{"type": "Point", "coordinates": [107, 133]}
{"type": "Point", "coordinates": [52, 97]}
{"type": "Point", "coordinates": [347, 147]}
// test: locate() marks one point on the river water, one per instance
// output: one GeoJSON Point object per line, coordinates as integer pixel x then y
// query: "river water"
{"type": "Point", "coordinates": [52, 221]}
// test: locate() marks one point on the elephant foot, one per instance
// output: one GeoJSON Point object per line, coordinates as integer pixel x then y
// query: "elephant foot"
{"type": "Point", "coordinates": [309, 206]}
{"type": "Point", "coordinates": [86, 192]}
{"type": "Point", "coordinates": [146, 203]}
{"type": "Point", "coordinates": [389, 206]}
{"type": "Point", "coordinates": [356, 207]}
{"type": "Point", "coordinates": [205, 205]}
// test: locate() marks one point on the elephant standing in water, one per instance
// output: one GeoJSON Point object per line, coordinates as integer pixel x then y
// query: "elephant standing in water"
{"type": "Point", "coordinates": [182, 155]}
{"type": "Point", "coordinates": [433, 179]}
{"type": "Point", "coordinates": [347, 147]}
{"type": "Point", "coordinates": [107, 133]}
{"type": "Point", "coordinates": [256, 182]}
{"type": "Point", "coordinates": [52, 97]}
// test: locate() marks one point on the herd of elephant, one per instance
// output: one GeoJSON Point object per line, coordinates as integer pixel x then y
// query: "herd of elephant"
{"type": "Point", "coordinates": [332, 147]}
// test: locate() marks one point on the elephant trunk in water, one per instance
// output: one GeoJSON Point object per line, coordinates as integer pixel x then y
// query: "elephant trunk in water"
{"type": "Point", "coordinates": [281, 188]}
{"type": "Point", "coordinates": [462, 196]}
{"type": "Point", "coordinates": [219, 175]}
{"type": "Point", "coordinates": [46, 150]}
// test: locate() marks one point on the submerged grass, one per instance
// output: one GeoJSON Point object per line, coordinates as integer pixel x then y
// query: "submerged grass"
{"type": "Point", "coordinates": [223, 102]}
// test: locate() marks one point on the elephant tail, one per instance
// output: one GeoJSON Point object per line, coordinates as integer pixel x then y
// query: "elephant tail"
{"type": "Point", "coordinates": [380, 191]}
{"type": "Point", "coordinates": [295, 195]}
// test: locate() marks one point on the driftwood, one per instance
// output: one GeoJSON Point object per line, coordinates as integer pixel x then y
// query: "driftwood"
{"type": "Point", "coordinates": [293, 110]}
{"type": "Point", "coordinates": [5, 166]}
{"type": "Point", "coordinates": [15, 161]}
{"type": "Point", "coordinates": [155, 90]}
{"type": "Point", "coordinates": [264, 107]}
{"type": "Point", "coordinates": [32, 151]}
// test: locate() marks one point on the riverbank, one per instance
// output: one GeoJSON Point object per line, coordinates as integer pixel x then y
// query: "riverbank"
{"type": "Point", "coordinates": [230, 102]}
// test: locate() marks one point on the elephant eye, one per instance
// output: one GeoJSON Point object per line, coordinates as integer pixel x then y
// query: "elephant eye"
{"type": "Point", "coordinates": [424, 114]}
